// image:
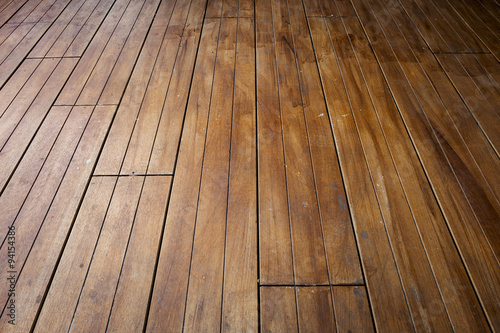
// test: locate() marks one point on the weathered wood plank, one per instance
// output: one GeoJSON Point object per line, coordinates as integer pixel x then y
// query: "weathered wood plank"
{"type": "Point", "coordinates": [278, 309]}
{"type": "Point", "coordinates": [352, 310]}
{"type": "Point", "coordinates": [315, 309]}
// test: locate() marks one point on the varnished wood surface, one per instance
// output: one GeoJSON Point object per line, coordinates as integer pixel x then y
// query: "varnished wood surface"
{"type": "Point", "coordinates": [249, 165]}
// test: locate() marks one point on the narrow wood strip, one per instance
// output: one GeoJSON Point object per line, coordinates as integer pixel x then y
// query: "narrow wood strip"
{"type": "Point", "coordinates": [343, 261]}
{"type": "Point", "coordinates": [275, 255]}
{"type": "Point", "coordinates": [204, 299]}
{"type": "Point", "coordinates": [115, 147]}
{"type": "Point", "coordinates": [416, 275]}
{"type": "Point", "coordinates": [61, 44]}
{"type": "Point", "coordinates": [469, 238]}
{"type": "Point", "coordinates": [240, 290]}
{"type": "Point", "coordinates": [13, 87]}
{"type": "Point", "coordinates": [90, 28]}
{"type": "Point", "coordinates": [170, 287]}
{"type": "Point", "coordinates": [57, 221]}
{"type": "Point", "coordinates": [388, 300]}
{"type": "Point", "coordinates": [315, 309]}
{"type": "Point", "coordinates": [100, 284]}
{"type": "Point", "coordinates": [307, 239]}
{"type": "Point", "coordinates": [136, 158]}
{"type": "Point", "coordinates": [166, 143]}
{"type": "Point", "coordinates": [352, 309]}
{"type": "Point", "coordinates": [451, 275]}
{"type": "Point", "coordinates": [75, 258]}
{"type": "Point", "coordinates": [138, 19]}
{"type": "Point", "coordinates": [483, 112]}
{"type": "Point", "coordinates": [278, 309]}
{"type": "Point", "coordinates": [86, 64]}
{"type": "Point", "coordinates": [56, 29]}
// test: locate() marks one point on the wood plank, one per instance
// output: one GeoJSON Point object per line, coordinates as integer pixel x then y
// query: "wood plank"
{"type": "Point", "coordinates": [307, 237]}
{"type": "Point", "coordinates": [214, 9]}
{"type": "Point", "coordinates": [475, 250]}
{"type": "Point", "coordinates": [84, 36]}
{"type": "Point", "coordinates": [10, 10]}
{"type": "Point", "coordinates": [483, 112]}
{"type": "Point", "coordinates": [171, 282]}
{"type": "Point", "coordinates": [204, 298]}
{"type": "Point", "coordinates": [491, 65]}
{"type": "Point", "coordinates": [240, 290]}
{"type": "Point", "coordinates": [345, 8]}
{"type": "Point", "coordinates": [115, 147]}
{"type": "Point", "coordinates": [312, 8]}
{"type": "Point", "coordinates": [40, 6]}
{"type": "Point", "coordinates": [19, 123]}
{"type": "Point", "coordinates": [6, 30]}
{"type": "Point", "coordinates": [352, 309]}
{"type": "Point", "coordinates": [133, 22]}
{"type": "Point", "coordinates": [341, 251]}
{"type": "Point", "coordinates": [246, 8]}
{"type": "Point", "coordinates": [388, 300]}
{"type": "Point", "coordinates": [315, 309]}
{"type": "Point", "coordinates": [16, 83]}
{"type": "Point", "coordinates": [75, 260]}
{"type": "Point", "coordinates": [46, 217]}
{"type": "Point", "coordinates": [138, 152]}
{"type": "Point", "coordinates": [278, 309]}
{"type": "Point", "coordinates": [451, 276]}
{"type": "Point", "coordinates": [97, 293]}
{"type": "Point", "coordinates": [416, 275]}
{"type": "Point", "coordinates": [86, 64]}
{"type": "Point", "coordinates": [230, 8]}
{"type": "Point", "coordinates": [329, 8]}
{"type": "Point", "coordinates": [166, 143]}
{"type": "Point", "coordinates": [140, 260]}
{"type": "Point", "coordinates": [14, 39]}
{"type": "Point", "coordinates": [275, 256]}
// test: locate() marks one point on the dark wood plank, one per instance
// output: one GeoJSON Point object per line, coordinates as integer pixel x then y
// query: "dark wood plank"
{"type": "Point", "coordinates": [352, 310]}
{"type": "Point", "coordinates": [203, 304]}
{"type": "Point", "coordinates": [491, 65]}
{"type": "Point", "coordinates": [315, 309]}
{"type": "Point", "coordinates": [278, 309]}
{"type": "Point", "coordinates": [136, 159]}
{"type": "Point", "coordinates": [307, 237]}
{"type": "Point", "coordinates": [75, 260]}
{"type": "Point", "coordinates": [388, 300]}
{"type": "Point", "coordinates": [133, 22]}
{"type": "Point", "coordinates": [240, 290]}
{"type": "Point", "coordinates": [345, 8]}
{"type": "Point", "coordinates": [340, 245]}
{"type": "Point", "coordinates": [43, 224]}
{"type": "Point", "coordinates": [274, 228]}
{"type": "Point", "coordinates": [139, 263]}
{"type": "Point", "coordinates": [450, 274]}
{"type": "Point", "coordinates": [482, 110]}
{"type": "Point", "coordinates": [170, 287]}
{"type": "Point", "coordinates": [114, 150]}
{"type": "Point", "coordinates": [474, 248]}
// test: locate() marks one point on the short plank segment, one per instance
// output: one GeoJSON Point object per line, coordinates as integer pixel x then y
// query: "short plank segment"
{"type": "Point", "coordinates": [483, 111]}
{"type": "Point", "coordinates": [352, 309]}
{"type": "Point", "coordinates": [166, 143]}
{"type": "Point", "coordinates": [275, 255]}
{"type": "Point", "coordinates": [97, 293]}
{"type": "Point", "coordinates": [75, 260]}
{"type": "Point", "coordinates": [278, 309]}
{"type": "Point", "coordinates": [46, 217]}
{"type": "Point", "coordinates": [445, 260]}
{"type": "Point", "coordinates": [171, 281]}
{"type": "Point", "coordinates": [136, 159]}
{"type": "Point", "coordinates": [162, 44]}
{"type": "Point", "coordinates": [240, 290]}
{"type": "Point", "coordinates": [337, 232]}
{"type": "Point", "coordinates": [315, 309]}
{"type": "Point", "coordinates": [139, 263]}
{"type": "Point", "coordinates": [474, 248]}
{"type": "Point", "coordinates": [307, 237]}
{"type": "Point", "coordinates": [389, 305]}
{"type": "Point", "coordinates": [204, 299]}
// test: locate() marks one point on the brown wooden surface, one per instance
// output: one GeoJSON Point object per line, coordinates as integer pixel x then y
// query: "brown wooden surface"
{"type": "Point", "coordinates": [249, 165]}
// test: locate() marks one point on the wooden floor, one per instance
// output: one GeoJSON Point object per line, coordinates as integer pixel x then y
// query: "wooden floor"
{"type": "Point", "coordinates": [241, 165]}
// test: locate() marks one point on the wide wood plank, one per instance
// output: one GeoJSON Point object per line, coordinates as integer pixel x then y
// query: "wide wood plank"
{"type": "Point", "coordinates": [275, 255]}
{"type": "Point", "coordinates": [315, 309]}
{"type": "Point", "coordinates": [171, 282]}
{"type": "Point", "coordinates": [352, 310]}
{"type": "Point", "coordinates": [240, 290]}
{"type": "Point", "coordinates": [278, 309]}
{"type": "Point", "coordinates": [445, 260]}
